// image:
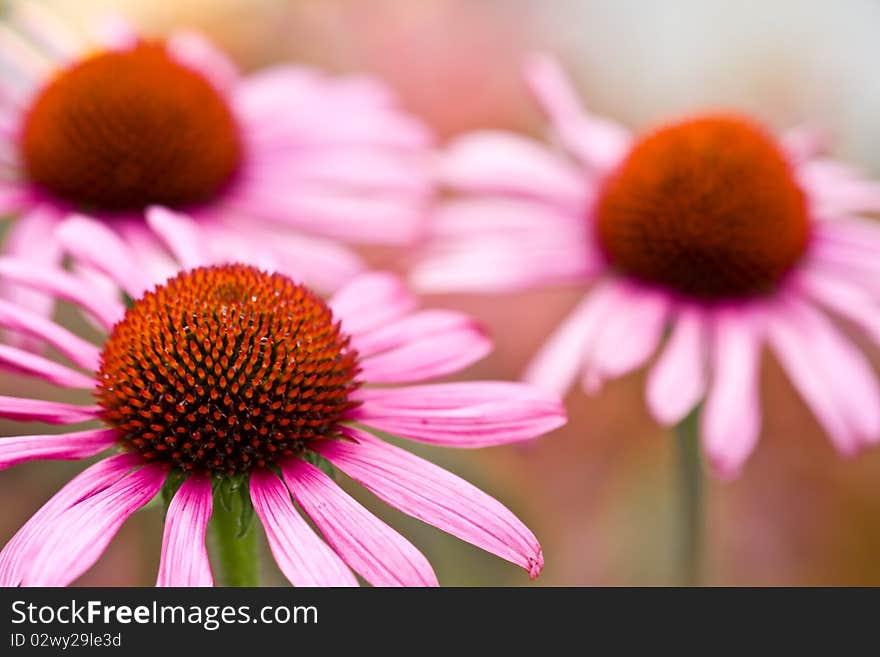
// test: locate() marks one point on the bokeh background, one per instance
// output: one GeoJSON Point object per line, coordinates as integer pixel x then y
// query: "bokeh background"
{"type": "Point", "coordinates": [601, 493]}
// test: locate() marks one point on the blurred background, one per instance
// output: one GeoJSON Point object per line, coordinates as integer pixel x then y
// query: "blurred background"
{"type": "Point", "coordinates": [600, 493]}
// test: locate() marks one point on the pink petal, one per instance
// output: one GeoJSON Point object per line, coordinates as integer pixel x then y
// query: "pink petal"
{"type": "Point", "coordinates": [13, 197]}
{"type": "Point", "coordinates": [320, 263]}
{"type": "Point", "coordinates": [299, 107]}
{"type": "Point", "coordinates": [472, 414]}
{"type": "Point", "coordinates": [17, 555]}
{"type": "Point", "coordinates": [352, 168]}
{"type": "Point", "coordinates": [557, 362]}
{"type": "Point", "coordinates": [150, 255]}
{"type": "Point", "coordinates": [80, 534]}
{"type": "Point", "coordinates": [65, 446]}
{"type": "Point", "coordinates": [195, 51]}
{"type": "Point", "coordinates": [678, 381]}
{"type": "Point", "coordinates": [18, 318]}
{"type": "Point", "coordinates": [29, 239]}
{"type": "Point", "coordinates": [731, 420]}
{"type": "Point", "coordinates": [371, 301]}
{"type": "Point", "coordinates": [181, 235]}
{"type": "Point", "coordinates": [425, 491]}
{"type": "Point", "coordinates": [838, 189]}
{"type": "Point", "coordinates": [303, 557]}
{"type": "Point", "coordinates": [115, 32]}
{"type": "Point", "coordinates": [816, 358]}
{"type": "Point", "coordinates": [493, 244]}
{"type": "Point", "coordinates": [63, 286]}
{"type": "Point", "coordinates": [381, 555]}
{"type": "Point", "coordinates": [423, 346]}
{"type": "Point", "coordinates": [37, 410]}
{"type": "Point", "coordinates": [408, 329]}
{"type": "Point", "coordinates": [598, 143]}
{"type": "Point", "coordinates": [28, 364]}
{"type": "Point", "coordinates": [101, 248]}
{"type": "Point", "coordinates": [844, 296]}
{"type": "Point", "coordinates": [387, 218]}
{"type": "Point", "coordinates": [495, 162]}
{"type": "Point", "coordinates": [805, 142]}
{"type": "Point", "coordinates": [184, 559]}
{"type": "Point", "coordinates": [627, 337]}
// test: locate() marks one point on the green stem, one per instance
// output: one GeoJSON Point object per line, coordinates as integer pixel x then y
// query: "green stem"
{"type": "Point", "coordinates": [690, 473]}
{"type": "Point", "coordinates": [235, 553]}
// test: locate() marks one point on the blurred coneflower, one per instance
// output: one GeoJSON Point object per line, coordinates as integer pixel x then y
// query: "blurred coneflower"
{"type": "Point", "coordinates": [705, 238]}
{"type": "Point", "coordinates": [275, 166]}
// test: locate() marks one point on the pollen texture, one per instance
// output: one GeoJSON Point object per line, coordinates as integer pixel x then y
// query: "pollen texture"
{"type": "Point", "coordinates": [708, 208]}
{"type": "Point", "coordinates": [125, 129]}
{"type": "Point", "coordinates": [224, 369]}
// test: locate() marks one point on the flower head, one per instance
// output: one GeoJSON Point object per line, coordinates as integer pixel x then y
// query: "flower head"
{"type": "Point", "coordinates": [231, 371]}
{"type": "Point", "coordinates": [709, 227]}
{"type": "Point", "coordinates": [117, 123]}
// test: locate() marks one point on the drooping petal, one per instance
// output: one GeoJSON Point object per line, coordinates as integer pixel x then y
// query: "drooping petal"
{"type": "Point", "coordinates": [28, 364]}
{"type": "Point", "coordinates": [65, 446]}
{"type": "Point", "coordinates": [181, 235]}
{"type": "Point", "coordinates": [816, 358]}
{"type": "Point", "coordinates": [367, 218]}
{"type": "Point", "coordinates": [471, 414]}
{"type": "Point", "coordinates": [598, 143]}
{"type": "Point", "coordinates": [678, 380]}
{"type": "Point", "coordinates": [184, 559]}
{"type": "Point", "coordinates": [627, 336]}
{"type": "Point", "coordinates": [731, 419]}
{"type": "Point", "coordinates": [195, 51]}
{"type": "Point", "coordinates": [843, 296]}
{"type": "Point", "coordinates": [300, 106]}
{"type": "Point", "coordinates": [369, 546]}
{"type": "Point", "coordinates": [17, 555]}
{"type": "Point", "coordinates": [150, 255]}
{"type": "Point", "coordinates": [30, 240]}
{"type": "Point", "coordinates": [320, 263]}
{"type": "Point", "coordinates": [556, 365]}
{"type": "Point", "coordinates": [371, 301]}
{"type": "Point", "coordinates": [63, 285]}
{"type": "Point", "coordinates": [425, 491]}
{"type": "Point", "coordinates": [805, 142]}
{"type": "Point", "coordinates": [38, 410]}
{"type": "Point", "coordinates": [98, 246]}
{"type": "Point", "coordinates": [28, 322]}
{"type": "Point", "coordinates": [423, 346]}
{"type": "Point", "coordinates": [352, 169]}
{"type": "Point", "coordinates": [838, 189]}
{"type": "Point", "coordinates": [303, 557]}
{"type": "Point", "coordinates": [500, 163]}
{"type": "Point", "coordinates": [488, 244]}
{"type": "Point", "coordinates": [80, 534]}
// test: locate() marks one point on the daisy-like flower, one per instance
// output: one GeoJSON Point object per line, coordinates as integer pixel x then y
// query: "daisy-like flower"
{"type": "Point", "coordinates": [226, 371]}
{"type": "Point", "coordinates": [708, 228]}
{"type": "Point", "coordinates": [275, 166]}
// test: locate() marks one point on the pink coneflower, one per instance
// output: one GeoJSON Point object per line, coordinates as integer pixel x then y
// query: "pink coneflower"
{"type": "Point", "coordinates": [708, 227]}
{"type": "Point", "coordinates": [278, 164]}
{"type": "Point", "coordinates": [229, 374]}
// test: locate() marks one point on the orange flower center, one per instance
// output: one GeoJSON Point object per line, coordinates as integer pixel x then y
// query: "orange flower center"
{"type": "Point", "coordinates": [708, 208]}
{"type": "Point", "coordinates": [223, 369]}
{"type": "Point", "coordinates": [122, 130]}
